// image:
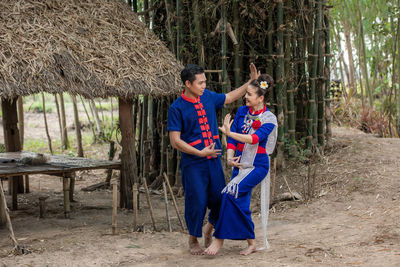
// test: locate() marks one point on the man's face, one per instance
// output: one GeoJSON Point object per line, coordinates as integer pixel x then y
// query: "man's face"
{"type": "Point", "coordinates": [197, 87]}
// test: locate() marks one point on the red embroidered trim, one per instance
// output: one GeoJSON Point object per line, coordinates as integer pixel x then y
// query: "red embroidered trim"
{"type": "Point", "coordinates": [195, 142]}
{"type": "Point", "coordinates": [216, 137]}
{"type": "Point", "coordinates": [190, 99]}
{"type": "Point", "coordinates": [258, 111]}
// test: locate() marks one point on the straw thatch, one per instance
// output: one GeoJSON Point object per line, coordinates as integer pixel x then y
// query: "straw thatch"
{"type": "Point", "coordinates": [95, 48]}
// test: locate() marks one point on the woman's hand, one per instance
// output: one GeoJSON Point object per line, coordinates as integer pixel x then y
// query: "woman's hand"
{"type": "Point", "coordinates": [234, 162]}
{"type": "Point", "coordinates": [226, 127]}
{"type": "Point", "coordinates": [254, 74]}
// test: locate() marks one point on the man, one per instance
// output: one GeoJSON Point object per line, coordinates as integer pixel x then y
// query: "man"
{"type": "Point", "coordinates": [193, 130]}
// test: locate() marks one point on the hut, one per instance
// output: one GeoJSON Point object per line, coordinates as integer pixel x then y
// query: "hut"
{"type": "Point", "coordinates": [94, 48]}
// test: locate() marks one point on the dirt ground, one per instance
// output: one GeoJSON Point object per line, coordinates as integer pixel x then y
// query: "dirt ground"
{"type": "Point", "coordinates": [354, 220]}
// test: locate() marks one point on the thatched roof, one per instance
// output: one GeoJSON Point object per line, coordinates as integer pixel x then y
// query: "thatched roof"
{"type": "Point", "coordinates": [95, 48]}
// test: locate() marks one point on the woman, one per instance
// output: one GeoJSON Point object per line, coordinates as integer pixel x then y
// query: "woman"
{"type": "Point", "coordinates": [251, 138]}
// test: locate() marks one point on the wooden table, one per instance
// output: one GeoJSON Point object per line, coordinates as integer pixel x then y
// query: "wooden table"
{"type": "Point", "coordinates": [58, 165]}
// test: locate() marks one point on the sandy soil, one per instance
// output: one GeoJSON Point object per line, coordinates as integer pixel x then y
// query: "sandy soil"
{"type": "Point", "coordinates": [354, 219]}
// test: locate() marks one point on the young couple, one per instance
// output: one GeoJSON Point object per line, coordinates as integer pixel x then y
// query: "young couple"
{"type": "Point", "coordinates": [193, 130]}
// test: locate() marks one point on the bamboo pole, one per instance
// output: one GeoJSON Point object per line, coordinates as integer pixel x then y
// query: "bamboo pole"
{"type": "Point", "coordinates": [313, 77]}
{"type": "Point", "coordinates": [173, 200]}
{"type": "Point", "coordinates": [149, 203]}
{"type": "Point", "coordinates": [327, 74]}
{"type": "Point", "coordinates": [114, 213]}
{"type": "Point", "coordinates": [135, 206]}
{"type": "Point", "coordinates": [320, 84]}
{"type": "Point", "coordinates": [45, 124]}
{"type": "Point", "coordinates": [166, 207]}
{"type": "Point", "coordinates": [9, 224]}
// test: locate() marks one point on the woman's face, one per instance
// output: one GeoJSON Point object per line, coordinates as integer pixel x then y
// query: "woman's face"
{"type": "Point", "coordinates": [253, 100]}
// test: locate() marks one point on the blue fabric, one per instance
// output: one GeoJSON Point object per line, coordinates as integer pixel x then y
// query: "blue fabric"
{"type": "Point", "coordinates": [238, 126]}
{"type": "Point", "coordinates": [203, 182]}
{"type": "Point", "coordinates": [235, 216]}
{"type": "Point", "coordinates": [182, 117]}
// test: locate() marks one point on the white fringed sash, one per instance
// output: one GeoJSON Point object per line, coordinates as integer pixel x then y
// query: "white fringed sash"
{"type": "Point", "coordinates": [247, 161]}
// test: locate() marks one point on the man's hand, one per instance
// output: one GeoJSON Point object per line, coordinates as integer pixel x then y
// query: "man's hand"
{"type": "Point", "coordinates": [234, 162]}
{"type": "Point", "coordinates": [210, 151]}
{"type": "Point", "coordinates": [226, 127]}
{"type": "Point", "coordinates": [253, 72]}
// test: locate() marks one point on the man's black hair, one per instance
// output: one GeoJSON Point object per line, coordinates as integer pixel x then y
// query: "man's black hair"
{"type": "Point", "coordinates": [190, 71]}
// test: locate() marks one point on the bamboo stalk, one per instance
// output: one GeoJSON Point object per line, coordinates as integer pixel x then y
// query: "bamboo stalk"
{"type": "Point", "coordinates": [173, 200]}
{"type": "Point", "coordinates": [149, 203]}
{"type": "Point", "coordinates": [114, 213]}
{"type": "Point", "coordinates": [166, 207]}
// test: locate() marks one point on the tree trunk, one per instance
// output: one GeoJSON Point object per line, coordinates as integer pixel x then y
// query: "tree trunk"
{"type": "Point", "coordinates": [95, 113]}
{"type": "Point", "coordinates": [45, 124]}
{"type": "Point", "coordinates": [128, 153]}
{"type": "Point", "coordinates": [59, 117]}
{"type": "Point", "coordinates": [364, 57]}
{"type": "Point", "coordinates": [12, 144]}
{"type": "Point", "coordinates": [349, 49]}
{"type": "Point", "coordinates": [20, 108]}
{"type": "Point", "coordinates": [65, 143]}
{"type": "Point", "coordinates": [77, 127]}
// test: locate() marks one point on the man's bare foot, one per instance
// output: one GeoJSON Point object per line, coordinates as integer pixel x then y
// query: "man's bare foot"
{"type": "Point", "coordinates": [250, 249]}
{"type": "Point", "coordinates": [214, 247]}
{"type": "Point", "coordinates": [207, 231]}
{"type": "Point", "coordinates": [194, 246]}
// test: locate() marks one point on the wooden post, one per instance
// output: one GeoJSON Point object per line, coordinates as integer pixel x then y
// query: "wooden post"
{"type": "Point", "coordinates": [12, 144]}
{"type": "Point", "coordinates": [72, 187]}
{"type": "Point", "coordinates": [174, 201]}
{"type": "Point", "coordinates": [166, 207]}
{"type": "Point", "coordinates": [42, 206]}
{"type": "Point", "coordinates": [149, 203]}
{"type": "Point", "coordinates": [67, 207]}
{"type": "Point", "coordinates": [114, 214]}
{"type": "Point", "coordinates": [135, 207]}
{"type": "Point", "coordinates": [128, 153]}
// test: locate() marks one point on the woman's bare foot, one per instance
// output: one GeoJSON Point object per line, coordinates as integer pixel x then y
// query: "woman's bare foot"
{"type": "Point", "coordinates": [207, 231]}
{"type": "Point", "coordinates": [250, 249]}
{"type": "Point", "coordinates": [214, 247]}
{"type": "Point", "coordinates": [194, 246]}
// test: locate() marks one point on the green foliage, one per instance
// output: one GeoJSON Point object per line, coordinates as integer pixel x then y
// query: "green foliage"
{"type": "Point", "coordinates": [297, 150]}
